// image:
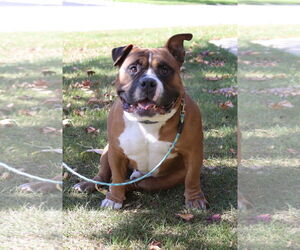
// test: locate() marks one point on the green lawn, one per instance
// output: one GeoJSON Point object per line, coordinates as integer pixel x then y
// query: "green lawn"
{"type": "Point", "coordinates": [149, 217]}
{"type": "Point", "coordinates": [171, 2]}
{"type": "Point", "coordinates": [273, 2]}
{"type": "Point", "coordinates": [33, 102]}
{"type": "Point", "coordinates": [270, 168]}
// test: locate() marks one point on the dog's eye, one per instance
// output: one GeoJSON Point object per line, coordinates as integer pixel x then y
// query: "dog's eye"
{"type": "Point", "coordinates": [133, 69]}
{"type": "Point", "coordinates": [164, 70]}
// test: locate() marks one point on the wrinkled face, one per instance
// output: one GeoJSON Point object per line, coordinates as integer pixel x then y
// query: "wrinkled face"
{"type": "Point", "coordinates": [149, 82]}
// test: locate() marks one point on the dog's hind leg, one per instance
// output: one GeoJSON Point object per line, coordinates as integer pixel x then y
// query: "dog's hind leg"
{"type": "Point", "coordinates": [159, 182]}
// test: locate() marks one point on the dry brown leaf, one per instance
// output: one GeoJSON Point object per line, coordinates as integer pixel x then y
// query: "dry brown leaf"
{"type": "Point", "coordinates": [213, 78]}
{"type": "Point", "coordinates": [6, 176]}
{"type": "Point", "coordinates": [214, 218]}
{"type": "Point", "coordinates": [7, 123]}
{"type": "Point", "coordinates": [79, 112]}
{"type": "Point", "coordinates": [292, 151]}
{"type": "Point", "coordinates": [92, 130]}
{"type": "Point", "coordinates": [186, 217]}
{"type": "Point", "coordinates": [154, 245]}
{"type": "Point", "coordinates": [95, 150]}
{"type": "Point", "coordinates": [10, 105]}
{"type": "Point", "coordinates": [41, 83]}
{"type": "Point", "coordinates": [67, 123]}
{"type": "Point", "coordinates": [86, 84]}
{"type": "Point", "coordinates": [226, 105]}
{"type": "Point", "coordinates": [281, 104]}
{"type": "Point", "coordinates": [50, 130]}
{"type": "Point", "coordinates": [27, 112]}
{"type": "Point", "coordinates": [52, 100]}
{"type": "Point", "coordinates": [94, 100]}
{"type": "Point", "coordinates": [54, 150]}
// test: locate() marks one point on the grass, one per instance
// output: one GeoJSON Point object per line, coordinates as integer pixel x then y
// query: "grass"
{"type": "Point", "coordinates": [29, 219]}
{"type": "Point", "coordinates": [180, 2]}
{"type": "Point", "coordinates": [267, 2]}
{"type": "Point", "coordinates": [149, 217]}
{"type": "Point", "coordinates": [270, 167]}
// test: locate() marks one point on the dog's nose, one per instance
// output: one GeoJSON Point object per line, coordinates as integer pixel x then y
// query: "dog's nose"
{"type": "Point", "coordinates": [148, 83]}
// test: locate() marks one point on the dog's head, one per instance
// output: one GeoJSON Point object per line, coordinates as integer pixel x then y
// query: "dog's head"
{"type": "Point", "coordinates": [149, 80]}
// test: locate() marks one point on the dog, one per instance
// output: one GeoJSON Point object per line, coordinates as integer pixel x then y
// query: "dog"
{"type": "Point", "coordinates": [143, 122]}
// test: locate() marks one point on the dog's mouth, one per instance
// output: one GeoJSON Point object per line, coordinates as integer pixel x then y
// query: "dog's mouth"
{"type": "Point", "coordinates": [146, 107]}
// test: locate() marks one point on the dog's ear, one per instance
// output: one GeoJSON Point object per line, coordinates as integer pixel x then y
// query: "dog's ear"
{"type": "Point", "coordinates": [119, 54]}
{"type": "Point", "coordinates": [176, 48]}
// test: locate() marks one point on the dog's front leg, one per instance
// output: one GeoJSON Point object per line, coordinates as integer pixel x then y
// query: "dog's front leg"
{"type": "Point", "coordinates": [194, 197]}
{"type": "Point", "coordinates": [116, 195]}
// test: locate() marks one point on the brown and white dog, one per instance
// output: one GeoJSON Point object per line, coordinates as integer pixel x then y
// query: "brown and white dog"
{"type": "Point", "coordinates": [143, 122]}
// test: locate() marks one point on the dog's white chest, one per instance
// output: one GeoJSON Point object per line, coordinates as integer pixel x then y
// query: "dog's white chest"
{"type": "Point", "coordinates": [140, 142]}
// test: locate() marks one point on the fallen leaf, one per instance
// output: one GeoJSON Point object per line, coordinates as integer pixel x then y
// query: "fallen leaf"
{"type": "Point", "coordinates": [50, 130]}
{"type": "Point", "coordinates": [292, 151]}
{"type": "Point", "coordinates": [281, 104]}
{"type": "Point", "coordinates": [92, 130]}
{"type": "Point", "coordinates": [83, 84]}
{"type": "Point", "coordinates": [264, 217]}
{"type": "Point", "coordinates": [213, 78]}
{"type": "Point", "coordinates": [41, 83]}
{"type": "Point", "coordinates": [51, 100]}
{"type": "Point", "coordinates": [262, 77]}
{"type": "Point", "coordinates": [79, 112]}
{"type": "Point", "coordinates": [154, 245]}
{"type": "Point", "coordinates": [10, 105]}
{"type": "Point", "coordinates": [7, 123]}
{"type": "Point", "coordinates": [226, 105]}
{"type": "Point", "coordinates": [95, 150]}
{"type": "Point", "coordinates": [55, 150]}
{"type": "Point", "coordinates": [27, 112]}
{"type": "Point", "coordinates": [186, 217]}
{"type": "Point", "coordinates": [94, 100]}
{"type": "Point", "coordinates": [5, 176]}
{"type": "Point", "coordinates": [214, 218]}
{"type": "Point", "coordinates": [228, 92]}
{"type": "Point", "coordinates": [67, 123]}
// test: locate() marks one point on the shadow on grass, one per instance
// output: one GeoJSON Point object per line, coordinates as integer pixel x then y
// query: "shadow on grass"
{"type": "Point", "coordinates": [157, 210]}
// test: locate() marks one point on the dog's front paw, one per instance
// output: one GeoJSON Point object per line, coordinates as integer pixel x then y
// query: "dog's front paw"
{"type": "Point", "coordinates": [111, 204]}
{"type": "Point", "coordinates": [198, 203]}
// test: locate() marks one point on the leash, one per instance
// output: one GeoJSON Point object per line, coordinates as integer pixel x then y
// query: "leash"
{"type": "Point", "coordinates": [179, 131]}
{"type": "Point", "coordinates": [29, 175]}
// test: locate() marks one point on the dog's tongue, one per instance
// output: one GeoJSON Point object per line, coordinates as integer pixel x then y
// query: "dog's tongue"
{"type": "Point", "coordinates": [146, 105]}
